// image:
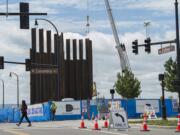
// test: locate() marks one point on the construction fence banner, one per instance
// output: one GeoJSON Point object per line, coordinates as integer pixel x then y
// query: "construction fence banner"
{"type": "Point", "coordinates": [150, 111]}
{"type": "Point", "coordinates": [68, 108]}
{"type": "Point", "coordinates": [175, 104]}
{"type": "Point", "coordinates": [35, 110]}
{"type": "Point", "coordinates": [84, 105]}
{"type": "Point", "coordinates": [114, 104]}
{"type": "Point", "coordinates": [140, 105]}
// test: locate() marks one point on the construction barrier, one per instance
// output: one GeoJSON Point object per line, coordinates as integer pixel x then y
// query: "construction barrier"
{"type": "Point", "coordinates": [41, 112]}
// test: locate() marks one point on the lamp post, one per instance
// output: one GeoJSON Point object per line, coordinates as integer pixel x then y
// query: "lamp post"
{"type": "Point", "coordinates": [161, 78]}
{"type": "Point", "coordinates": [57, 41]}
{"type": "Point", "coordinates": [3, 91]}
{"type": "Point", "coordinates": [112, 91]}
{"type": "Point", "coordinates": [12, 73]}
{"type": "Point", "coordinates": [177, 50]}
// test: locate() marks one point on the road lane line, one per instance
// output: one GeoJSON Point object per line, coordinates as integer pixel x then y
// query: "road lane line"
{"type": "Point", "coordinates": [106, 132]}
{"type": "Point", "coordinates": [15, 132]}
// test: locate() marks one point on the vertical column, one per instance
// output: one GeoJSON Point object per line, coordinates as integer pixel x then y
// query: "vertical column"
{"type": "Point", "coordinates": [62, 67]}
{"type": "Point", "coordinates": [48, 61]}
{"type": "Point", "coordinates": [67, 68]}
{"type": "Point", "coordinates": [33, 39]}
{"type": "Point", "coordinates": [32, 58]}
{"type": "Point", "coordinates": [81, 69]}
{"type": "Point", "coordinates": [55, 93]}
{"type": "Point", "coordinates": [41, 40]}
{"type": "Point", "coordinates": [48, 41]}
{"type": "Point", "coordinates": [73, 71]}
{"type": "Point", "coordinates": [89, 68]}
{"type": "Point", "coordinates": [40, 61]}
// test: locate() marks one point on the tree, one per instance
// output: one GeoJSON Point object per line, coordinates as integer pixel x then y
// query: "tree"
{"type": "Point", "coordinates": [127, 85]}
{"type": "Point", "coordinates": [170, 75]}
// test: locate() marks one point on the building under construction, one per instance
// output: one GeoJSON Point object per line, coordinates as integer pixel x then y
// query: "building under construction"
{"type": "Point", "coordinates": [51, 56]}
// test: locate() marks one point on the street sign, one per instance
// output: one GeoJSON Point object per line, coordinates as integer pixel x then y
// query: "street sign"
{"type": "Point", "coordinates": [150, 111]}
{"type": "Point", "coordinates": [166, 49]}
{"type": "Point", "coordinates": [118, 119]}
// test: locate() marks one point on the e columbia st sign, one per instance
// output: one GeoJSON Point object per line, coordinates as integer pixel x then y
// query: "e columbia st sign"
{"type": "Point", "coordinates": [166, 49]}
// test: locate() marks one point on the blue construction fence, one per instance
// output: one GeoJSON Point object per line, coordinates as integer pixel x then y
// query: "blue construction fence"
{"type": "Point", "coordinates": [72, 110]}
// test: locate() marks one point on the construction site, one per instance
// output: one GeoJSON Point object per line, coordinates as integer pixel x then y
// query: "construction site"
{"type": "Point", "coordinates": [85, 67]}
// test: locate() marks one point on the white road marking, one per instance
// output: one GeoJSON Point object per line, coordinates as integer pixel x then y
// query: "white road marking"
{"type": "Point", "coordinates": [101, 131]}
{"type": "Point", "coordinates": [15, 132]}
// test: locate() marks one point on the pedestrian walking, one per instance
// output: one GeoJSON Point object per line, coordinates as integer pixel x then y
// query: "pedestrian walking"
{"type": "Point", "coordinates": [53, 110]}
{"type": "Point", "coordinates": [24, 114]}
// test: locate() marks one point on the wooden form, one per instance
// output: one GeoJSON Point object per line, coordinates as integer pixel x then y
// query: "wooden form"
{"type": "Point", "coordinates": [76, 73]}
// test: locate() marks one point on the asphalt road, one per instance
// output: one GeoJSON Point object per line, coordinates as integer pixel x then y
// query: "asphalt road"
{"type": "Point", "coordinates": [71, 128]}
{"type": "Point", "coordinates": [67, 131]}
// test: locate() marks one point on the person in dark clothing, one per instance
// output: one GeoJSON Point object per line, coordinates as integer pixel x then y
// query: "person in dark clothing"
{"type": "Point", "coordinates": [24, 114]}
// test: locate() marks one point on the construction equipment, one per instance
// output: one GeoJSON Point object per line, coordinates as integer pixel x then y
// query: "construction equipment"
{"type": "Point", "coordinates": [120, 47]}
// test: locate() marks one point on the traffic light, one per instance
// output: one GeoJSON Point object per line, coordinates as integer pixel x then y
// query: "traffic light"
{"type": "Point", "coordinates": [24, 18]}
{"type": "Point", "coordinates": [28, 64]}
{"type": "Point", "coordinates": [1, 62]}
{"type": "Point", "coordinates": [148, 45]}
{"type": "Point", "coordinates": [161, 77]}
{"type": "Point", "coordinates": [112, 91]}
{"type": "Point", "coordinates": [135, 47]}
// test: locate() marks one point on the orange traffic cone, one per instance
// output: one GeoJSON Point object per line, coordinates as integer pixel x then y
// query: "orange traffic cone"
{"type": "Point", "coordinates": [105, 123]}
{"type": "Point", "coordinates": [144, 126]}
{"type": "Point", "coordinates": [96, 127]}
{"type": "Point", "coordinates": [178, 124]}
{"type": "Point", "coordinates": [82, 125]}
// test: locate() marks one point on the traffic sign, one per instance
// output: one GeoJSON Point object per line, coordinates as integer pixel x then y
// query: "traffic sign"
{"type": "Point", "coordinates": [166, 49]}
{"type": "Point", "coordinates": [118, 119]}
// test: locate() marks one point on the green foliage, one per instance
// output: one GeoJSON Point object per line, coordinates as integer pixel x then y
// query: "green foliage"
{"type": "Point", "coordinates": [170, 74]}
{"type": "Point", "coordinates": [127, 85]}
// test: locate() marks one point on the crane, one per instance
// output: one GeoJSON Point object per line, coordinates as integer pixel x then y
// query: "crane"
{"type": "Point", "coordinates": [120, 47]}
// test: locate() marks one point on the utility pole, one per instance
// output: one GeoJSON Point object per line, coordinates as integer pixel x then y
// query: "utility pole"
{"type": "Point", "coordinates": [177, 50]}
{"type": "Point", "coordinates": [146, 25]}
{"type": "Point", "coordinates": [161, 78]}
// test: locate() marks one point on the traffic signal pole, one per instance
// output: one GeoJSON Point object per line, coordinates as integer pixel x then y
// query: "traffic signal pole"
{"type": "Point", "coordinates": [24, 14]}
{"type": "Point", "coordinates": [177, 42]}
{"type": "Point", "coordinates": [159, 43]}
{"type": "Point", "coordinates": [177, 50]}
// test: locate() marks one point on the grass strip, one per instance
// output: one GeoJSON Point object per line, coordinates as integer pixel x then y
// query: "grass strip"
{"type": "Point", "coordinates": [157, 122]}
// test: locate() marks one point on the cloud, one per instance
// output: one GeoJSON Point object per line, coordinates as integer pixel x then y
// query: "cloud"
{"type": "Point", "coordinates": [161, 5]}
{"type": "Point", "coordinates": [15, 43]}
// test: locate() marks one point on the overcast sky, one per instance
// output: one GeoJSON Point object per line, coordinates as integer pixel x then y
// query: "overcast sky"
{"type": "Point", "coordinates": [70, 17]}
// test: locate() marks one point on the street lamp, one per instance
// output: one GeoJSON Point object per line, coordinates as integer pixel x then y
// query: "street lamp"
{"type": "Point", "coordinates": [3, 91]}
{"type": "Point", "coordinates": [57, 39]}
{"type": "Point", "coordinates": [161, 78]}
{"type": "Point", "coordinates": [10, 74]}
{"type": "Point", "coordinates": [36, 23]}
